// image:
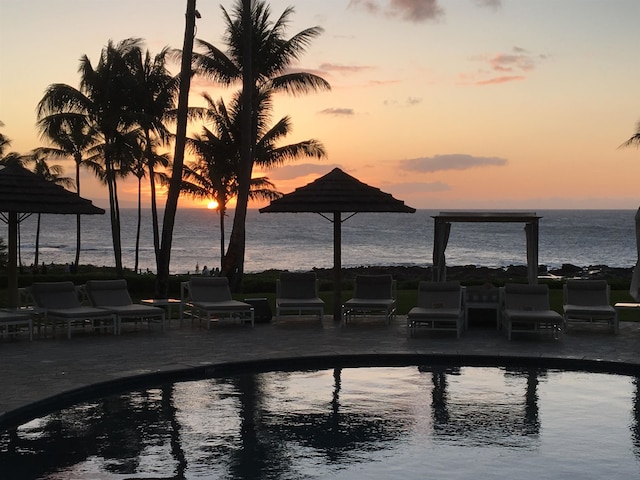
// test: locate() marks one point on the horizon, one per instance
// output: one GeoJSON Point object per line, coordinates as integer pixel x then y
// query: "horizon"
{"type": "Point", "coordinates": [461, 105]}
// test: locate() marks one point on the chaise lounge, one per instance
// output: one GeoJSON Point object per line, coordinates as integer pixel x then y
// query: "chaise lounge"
{"type": "Point", "coordinates": [587, 301]}
{"type": "Point", "coordinates": [210, 298]}
{"type": "Point", "coordinates": [60, 303]}
{"type": "Point", "coordinates": [298, 292]}
{"type": "Point", "coordinates": [439, 307]}
{"type": "Point", "coordinates": [373, 294]}
{"type": "Point", "coordinates": [113, 295]}
{"type": "Point", "coordinates": [526, 309]}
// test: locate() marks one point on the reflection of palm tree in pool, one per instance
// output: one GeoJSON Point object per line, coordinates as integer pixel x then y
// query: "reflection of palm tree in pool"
{"type": "Point", "coordinates": [169, 411]}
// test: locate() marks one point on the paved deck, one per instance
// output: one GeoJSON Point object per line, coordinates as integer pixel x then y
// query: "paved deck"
{"type": "Point", "coordinates": [52, 370]}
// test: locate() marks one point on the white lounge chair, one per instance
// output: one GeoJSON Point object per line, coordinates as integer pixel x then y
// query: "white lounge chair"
{"type": "Point", "coordinates": [373, 294]}
{"type": "Point", "coordinates": [11, 321]}
{"type": "Point", "coordinates": [526, 309]}
{"type": "Point", "coordinates": [587, 301]}
{"type": "Point", "coordinates": [298, 292]}
{"type": "Point", "coordinates": [210, 297]}
{"type": "Point", "coordinates": [439, 307]}
{"type": "Point", "coordinates": [113, 295]}
{"type": "Point", "coordinates": [60, 302]}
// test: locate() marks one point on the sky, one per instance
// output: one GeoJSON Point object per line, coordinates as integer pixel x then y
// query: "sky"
{"type": "Point", "coordinates": [445, 104]}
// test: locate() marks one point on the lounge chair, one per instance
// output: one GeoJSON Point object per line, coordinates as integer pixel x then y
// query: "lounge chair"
{"type": "Point", "coordinates": [298, 292]}
{"type": "Point", "coordinates": [439, 307]}
{"type": "Point", "coordinates": [373, 294]}
{"type": "Point", "coordinates": [60, 302]}
{"type": "Point", "coordinates": [526, 309]}
{"type": "Point", "coordinates": [587, 301]}
{"type": "Point", "coordinates": [11, 321]}
{"type": "Point", "coordinates": [210, 297]}
{"type": "Point", "coordinates": [113, 295]}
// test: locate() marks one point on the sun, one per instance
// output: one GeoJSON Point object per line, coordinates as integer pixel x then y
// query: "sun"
{"type": "Point", "coordinates": [212, 205]}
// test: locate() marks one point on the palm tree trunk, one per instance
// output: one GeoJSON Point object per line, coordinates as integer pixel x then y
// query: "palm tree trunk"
{"type": "Point", "coordinates": [221, 211]}
{"type": "Point", "coordinates": [233, 263]}
{"type": "Point", "coordinates": [36, 259]}
{"type": "Point", "coordinates": [135, 269]}
{"type": "Point", "coordinates": [154, 215]}
{"type": "Point", "coordinates": [78, 159]}
{"type": "Point", "coordinates": [114, 213]}
{"type": "Point", "coordinates": [164, 259]}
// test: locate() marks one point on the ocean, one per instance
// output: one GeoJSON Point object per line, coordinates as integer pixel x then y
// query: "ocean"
{"type": "Point", "coordinates": [302, 241]}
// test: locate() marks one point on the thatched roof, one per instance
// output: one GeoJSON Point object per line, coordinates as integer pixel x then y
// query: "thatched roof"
{"type": "Point", "coordinates": [337, 191]}
{"type": "Point", "coordinates": [22, 191]}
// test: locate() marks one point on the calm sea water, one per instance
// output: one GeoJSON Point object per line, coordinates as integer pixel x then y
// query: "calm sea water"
{"type": "Point", "coordinates": [305, 240]}
{"type": "Point", "coordinates": [351, 423]}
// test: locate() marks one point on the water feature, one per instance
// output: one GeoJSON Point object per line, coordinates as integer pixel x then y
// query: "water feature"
{"type": "Point", "coordinates": [350, 423]}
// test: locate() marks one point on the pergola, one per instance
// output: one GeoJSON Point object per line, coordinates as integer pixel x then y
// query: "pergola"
{"type": "Point", "coordinates": [442, 230]}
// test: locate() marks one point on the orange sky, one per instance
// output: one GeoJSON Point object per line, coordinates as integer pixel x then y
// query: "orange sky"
{"type": "Point", "coordinates": [447, 105]}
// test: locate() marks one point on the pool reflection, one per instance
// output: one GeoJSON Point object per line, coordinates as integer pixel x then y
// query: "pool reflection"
{"type": "Point", "coordinates": [266, 425]}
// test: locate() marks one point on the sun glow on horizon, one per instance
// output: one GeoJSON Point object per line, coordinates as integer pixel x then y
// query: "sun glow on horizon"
{"type": "Point", "coordinates": [212, 205]}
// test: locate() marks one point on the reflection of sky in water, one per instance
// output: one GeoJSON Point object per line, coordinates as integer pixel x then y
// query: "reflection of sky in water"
{"type": "Point", "coordinates": [349, 423]}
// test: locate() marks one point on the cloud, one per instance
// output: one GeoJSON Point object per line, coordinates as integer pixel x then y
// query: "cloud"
{"type": "Point", "coordinates": [493, 4]}
{"type": "Point", "coordinates": [344, 69]}
{"type": "Point", "coordinates": [504, 67]}
{"type": "Point", "coordinates": [338, 112]}
{"type": "Point", "coordinates": [289, 172]}
{"type": "Point", "coordinates": [409, 10]}
{"type": "Point", "coordinates": [455, 161]}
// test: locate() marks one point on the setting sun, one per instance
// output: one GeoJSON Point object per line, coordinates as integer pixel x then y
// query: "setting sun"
{"type": "Point", "coordinates": [212, 205]}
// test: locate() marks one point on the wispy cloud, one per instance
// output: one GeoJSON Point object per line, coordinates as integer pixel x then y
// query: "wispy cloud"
{"type": "Point", "coordinates": [289, 172]}
{"type": "Point", "coordinates": [454, 161]}
{"type": "Point", "coordinates": [493, 4]}
{"type": "Point", "coordinates": [339, 112]}
{"type": "Point", "coordinates": [412, 10]}
{"type": "Point", "coordinates": [343, 69]}
{"type": "Point", "coordinates": [504, 67]}
{"type": "Point", "coordinates": [408, 10]}
{"type": "Point", "coordinates": [408, 102]}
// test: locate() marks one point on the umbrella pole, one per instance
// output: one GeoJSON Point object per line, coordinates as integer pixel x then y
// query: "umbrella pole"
{"type": "Point", "coordinates": [12, 264]}
{"type": "Point", "coordinates": [337, 266]}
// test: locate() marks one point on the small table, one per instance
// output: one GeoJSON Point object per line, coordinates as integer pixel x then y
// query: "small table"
{"type": "Point", "coordinates": [165, 303]}
{"type": "Point", "coordinates": [626, 306]}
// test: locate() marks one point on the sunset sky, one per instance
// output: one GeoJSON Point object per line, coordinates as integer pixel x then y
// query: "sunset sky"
{"type": "Point", "coordinates": [446, 104]}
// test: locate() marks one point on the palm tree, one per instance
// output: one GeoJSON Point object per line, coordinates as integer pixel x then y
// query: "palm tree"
{"type": "Point", "coordinates": [146, 160]}
{"type": "Point", "coordinates": [634, 140]}
{"type": "Point", "coordinates": [51, 173]}
{"type": "Point", "coordinates": [156, 91]}
{"type": "Point", "coordinates": [73, 136]}
{"type": "Point", "coordinates": [175, 183]}
{"type": "Point", "coordinates": [214, 174]}
{"type": "Point", "coordinates": [104, 100]}
{"type": "Point", "coordinates": [4, 142]}
{"type": "Point", "coordinates": [261, 57]}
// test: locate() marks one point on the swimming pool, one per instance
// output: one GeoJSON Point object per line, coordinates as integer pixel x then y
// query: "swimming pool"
{"type": "Point", "coordinates": [345, 423]}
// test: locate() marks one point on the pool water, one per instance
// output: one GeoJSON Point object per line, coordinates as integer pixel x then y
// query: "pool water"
{"type": "Point", "coordinates": [349, 423]}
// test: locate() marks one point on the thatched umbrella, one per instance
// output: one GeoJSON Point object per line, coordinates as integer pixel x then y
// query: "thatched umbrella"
{"type": "Point", "coordinates": [336, 193]}
{"type": "Point", "coordinates": [22, 193]}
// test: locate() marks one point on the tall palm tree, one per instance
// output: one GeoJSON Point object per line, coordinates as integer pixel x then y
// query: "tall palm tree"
{"type": "Point", "coordinates": [51, 173]}
{"type": "Point", "coordinates": [156, 92]}
{"type": "Point", "coordinates": [163, 258]}
{"type": "Point", "coordinates": [104, 99]}
{"type": "Point", "coordinates": [259, 55]}
{"type": "Point", "coordinates": [73, 136]}
{"type": "Point", "coordinates": [145, 162]}
{"type": "Point", "coordinates": [215, 172]}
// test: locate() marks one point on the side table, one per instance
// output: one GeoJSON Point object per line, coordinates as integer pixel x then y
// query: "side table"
{"type": "Point", "coordinates": [165, 303]}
